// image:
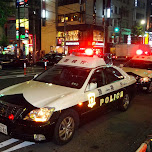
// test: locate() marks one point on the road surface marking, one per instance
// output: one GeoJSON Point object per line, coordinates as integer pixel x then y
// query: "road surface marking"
{"type": "Point", "coordinates": [21, 145]}
{"type": "Point", "coordinates": [8, 142]}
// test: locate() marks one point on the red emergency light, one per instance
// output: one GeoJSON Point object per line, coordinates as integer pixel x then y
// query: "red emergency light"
{"type": "Point", "coordinates": [139, 52]}
{"type": "Point", "coordinates": [89, 51]}
{"type": "Point", "coordinates": [146, 52]}
{"type": "Point", "coordinates": [85, 52]}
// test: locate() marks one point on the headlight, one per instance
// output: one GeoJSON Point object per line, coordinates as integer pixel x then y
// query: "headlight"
{"type": "Point", "coordinates": [40, 115]}
{"type": "Point", "coordinates": [145, 79]}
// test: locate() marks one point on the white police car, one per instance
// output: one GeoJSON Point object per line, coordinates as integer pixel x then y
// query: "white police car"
{"type": "Point", "coordinates": [140, 67]}
{"type": "Point", "coordinates": [52, 104]}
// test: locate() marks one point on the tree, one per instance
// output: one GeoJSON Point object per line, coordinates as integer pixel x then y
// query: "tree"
{"type": "Point", "coordinates": [137, 30]}
{"type": "Point", "coordinates": [6, 10]}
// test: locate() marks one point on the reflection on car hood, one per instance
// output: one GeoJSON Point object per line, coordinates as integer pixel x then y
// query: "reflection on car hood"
{"type": "Point", "coordinates": [38, 94]}
{"type": "Point", "coordinates": [140, 72]}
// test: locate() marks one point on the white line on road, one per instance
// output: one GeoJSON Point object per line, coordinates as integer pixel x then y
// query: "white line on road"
{"type": "Point", "coordinates": [21, 145]}
{"type": "Point", "coordinates": [8, 142]}
{"type": "Point", "coordinates": [16, 76]}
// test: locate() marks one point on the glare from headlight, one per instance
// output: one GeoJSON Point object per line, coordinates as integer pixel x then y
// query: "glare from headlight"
{"type": "Point", "coordinates": [40, 115]}
{"type": "Point", "coordinates": [145, 79]}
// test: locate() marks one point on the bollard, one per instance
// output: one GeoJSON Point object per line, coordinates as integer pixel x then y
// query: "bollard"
{"type": "Point", "coordinates": [45, 64]}
{"type": "Point", "coordinates": [24, 68]}
{"type": "Point", "coordinates": [142, 148]}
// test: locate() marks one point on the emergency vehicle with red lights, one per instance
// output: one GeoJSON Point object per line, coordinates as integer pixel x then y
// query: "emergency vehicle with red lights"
{"type": "Point", "coordinates": [127, 51]}
{"type": "Point", "coordinates": [53, 103]}
{"type": "Point", "coordinates": [140, 66]}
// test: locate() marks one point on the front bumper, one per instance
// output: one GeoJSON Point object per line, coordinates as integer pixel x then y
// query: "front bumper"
{"type": "Point", "coordinates": [143, 85]}
{"type": "Point", "coordinates": [29, 130]}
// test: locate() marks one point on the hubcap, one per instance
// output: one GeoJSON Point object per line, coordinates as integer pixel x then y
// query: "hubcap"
{"type": "Point", "coordinates": [66, 128]}
{"type": "Point", "coordinates": [126, 101]}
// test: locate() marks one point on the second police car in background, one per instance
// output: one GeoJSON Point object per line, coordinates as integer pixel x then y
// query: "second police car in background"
{"type": "Point", "coordinates": [140, 66]}
{"type": "Point", "coordinates": [53, 102]}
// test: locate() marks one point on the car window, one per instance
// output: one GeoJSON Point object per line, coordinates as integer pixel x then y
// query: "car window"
{"type": "Point", "coordinates": [73, 77]}
{"type": "Point", "coordinates": [112, 75]}
{"type": "Point", "coordinates": [98, 77]}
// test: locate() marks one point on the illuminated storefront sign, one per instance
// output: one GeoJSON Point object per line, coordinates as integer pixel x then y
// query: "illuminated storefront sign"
{"type": "Point", "coordinates": [150, 38]}
{"type": "Point", "coordinates": [72, 43]}
{"type": "Point", "coordinates": [129, 39]}
{"type": "Point", "coordinates": [24, 27]}
{"type": "Point", "coordinates": [30, 39]}
{"type": "Point", "coordinates": [23, 23]}
{"type": "Point", "coordinates": [146, 38]}
{"type": "Point", "coordinates": [97, 44]}
{"type": "Point", "coordinates": [21, 3]}
{"type": "Point", "coordinates": [43, 9]}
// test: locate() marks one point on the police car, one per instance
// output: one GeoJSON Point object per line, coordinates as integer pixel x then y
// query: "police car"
{"type": "Point", "coordinates": [52, 104]}
{"type": "Point", "coordinates": [140, 66]}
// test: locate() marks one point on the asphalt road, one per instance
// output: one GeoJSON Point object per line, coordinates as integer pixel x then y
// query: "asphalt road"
{"type": "Point", "coordinates": [112, 132]}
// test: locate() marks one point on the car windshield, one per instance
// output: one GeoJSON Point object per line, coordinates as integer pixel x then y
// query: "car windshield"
{"type": "Point", "coordinates": [140, 64]}
{"type": "Point", "coordinates": [73, 77]}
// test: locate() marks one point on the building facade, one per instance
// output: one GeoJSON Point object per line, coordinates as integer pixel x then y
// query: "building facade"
{"type": "Point", "coordinates": [80, 24]}
{"type": "Point", "coordinates": [48, 25]}
{"type": "Point", "coordinates": [62, 25]}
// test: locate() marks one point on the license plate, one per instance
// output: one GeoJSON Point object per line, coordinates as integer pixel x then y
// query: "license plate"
{"type": "Point", "coordinates": [3, 128]}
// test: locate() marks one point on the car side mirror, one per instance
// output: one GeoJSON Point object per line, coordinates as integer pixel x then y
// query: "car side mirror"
{"type": "Point", "coordinates": [91, 86]}
{"type": "Point", "coordinates": [121, 65]}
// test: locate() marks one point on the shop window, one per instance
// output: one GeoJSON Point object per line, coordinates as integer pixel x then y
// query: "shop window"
{"type": "Point", "coordinates": [69, 17]}
{"type": "Point", "coordinates": [70, 35]}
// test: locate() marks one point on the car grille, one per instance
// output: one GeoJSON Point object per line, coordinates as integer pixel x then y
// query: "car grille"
{"type": "Point", "coordinates": [6, 109]}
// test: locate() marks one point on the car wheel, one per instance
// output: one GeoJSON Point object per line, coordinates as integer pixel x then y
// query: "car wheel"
{"type": "Point", "coordinates": [125, 102]}
{"type": "Point", "coordinates": [149, 89]}
{"type": "Point", "coordinates": [65, 127]}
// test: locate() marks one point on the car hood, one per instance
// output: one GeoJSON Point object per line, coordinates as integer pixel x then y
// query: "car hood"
{"type": "Point", "coordinates": [139, 72]}
{"type": "Point", "coordinates": [38, 94]}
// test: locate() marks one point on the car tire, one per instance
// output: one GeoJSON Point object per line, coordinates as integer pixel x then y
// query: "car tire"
{"type": "Point", "coordinates": [125, 102]}
{"type": "Point", "coordinates": [149, 88]}
{"type": "Point", "coordinates": [65, 127]}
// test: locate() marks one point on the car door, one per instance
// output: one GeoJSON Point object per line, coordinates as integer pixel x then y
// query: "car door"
{"type": "Point", "coordinates": [95, 90]}
{"type": "Point", "coordinates": [114, 79]}
{"type": "Point", "coordinates": [113, 86]}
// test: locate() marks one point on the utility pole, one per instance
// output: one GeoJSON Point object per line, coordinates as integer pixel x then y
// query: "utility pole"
{"type": "Point", "coordinates": [104, 34]}
{"type": "Point", "coordinates": [19, 39]}
{"type": "Point", "coordinates": [64, 32]}
{"type": "Point", "coordinates": [34, 45]}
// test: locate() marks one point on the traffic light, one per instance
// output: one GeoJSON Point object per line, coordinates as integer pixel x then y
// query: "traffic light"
{"type": "Point", "coordinates": [116, 29]}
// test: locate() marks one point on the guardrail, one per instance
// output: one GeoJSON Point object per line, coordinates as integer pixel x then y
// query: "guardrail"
{"type": "Point", "coordinates": [146, 146]}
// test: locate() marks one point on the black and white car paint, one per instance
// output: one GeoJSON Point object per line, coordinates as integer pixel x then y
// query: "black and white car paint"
{"type": "Point", "coordinates": [70, 89]}
{"type": "Point", "coordinates": [140, 66]}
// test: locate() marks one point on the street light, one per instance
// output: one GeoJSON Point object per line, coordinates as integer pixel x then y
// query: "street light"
{"type": "Point", "coordinates": [143, 22]}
